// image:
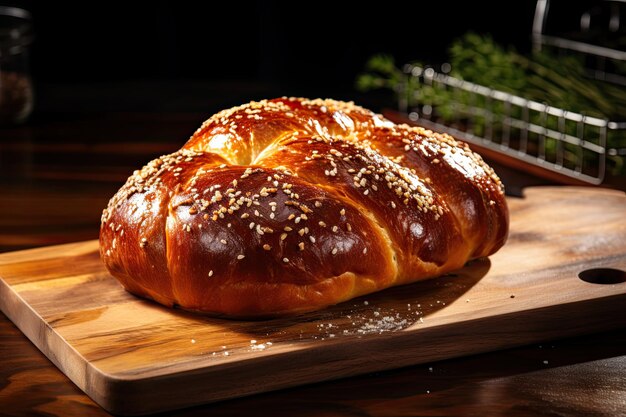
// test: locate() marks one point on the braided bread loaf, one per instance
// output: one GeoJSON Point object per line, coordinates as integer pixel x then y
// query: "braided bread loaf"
{"type": "Point", "coordinates": [290, 205]}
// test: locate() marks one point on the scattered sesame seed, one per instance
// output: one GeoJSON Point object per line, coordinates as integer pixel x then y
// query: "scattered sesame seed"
{"type": "Point", "coordinates": [267, 247]}
{"type": "Point", "coordinates": [283, 236]}
{"type": "Point", "coordinates": [240, 257]}
{"type": "Point", "coordinates": [211, 273]}
{"type": "Point", "coordinates": [318, 204]}
{"type": "Point", "coordinates": [334, 251]}
{"type": "Point", "coordinates": [342, 212]}
{"type": "Point", "coordinates": [223, 241]}
{"type": "Point", "coordinates": [285, 260]}
{"type": "Point", "coordinates": [301, 245]}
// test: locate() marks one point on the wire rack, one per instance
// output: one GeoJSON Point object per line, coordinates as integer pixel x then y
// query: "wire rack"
{"type": "Point", "coordinates": [566, 142]}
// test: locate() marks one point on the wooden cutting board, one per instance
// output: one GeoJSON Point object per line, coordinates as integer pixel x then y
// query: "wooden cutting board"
{"type": "Point", "coordinates": [134, 357]}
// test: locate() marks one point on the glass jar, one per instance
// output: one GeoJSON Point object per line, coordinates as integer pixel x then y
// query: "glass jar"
{"type": "Point", "coordinates": [16, 87]}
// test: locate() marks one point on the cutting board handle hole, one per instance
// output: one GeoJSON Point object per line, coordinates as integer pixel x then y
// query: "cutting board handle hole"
{"type": "Point", "coordinates": [603, 276]}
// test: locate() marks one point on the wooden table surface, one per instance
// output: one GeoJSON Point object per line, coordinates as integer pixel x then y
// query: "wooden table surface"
{"type": "Point", "coordinates": [58, 172]}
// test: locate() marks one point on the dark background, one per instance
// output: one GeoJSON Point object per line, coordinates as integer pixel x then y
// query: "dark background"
{"type": "Point", "coordinates": [169, 55]}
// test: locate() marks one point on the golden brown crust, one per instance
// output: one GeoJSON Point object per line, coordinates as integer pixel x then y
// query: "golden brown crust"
{"type": "Point", "coordinates": [290, 205]}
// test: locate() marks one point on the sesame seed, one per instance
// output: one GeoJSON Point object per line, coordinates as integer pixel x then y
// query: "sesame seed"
{"type": "Point", "coordinates": [393, 205]}
{"type": "Point", "coordinates": [312, 239]}
{"type": "Point", "coordinates": [318, 204]}
{"type": "Point", "coordinates": [335, 228]}
{"type": "Point", "coordinates": [287, 229]}
{"type": "Point", "coordinates": [243, 216]}
{"type": "Point", "coordinates": [334, 251]}
{"type": "Point", "coordinates": [322, 224]}
{"type": "Point", "coordinates": [349, 227]}
{"type": "Point", "coordinates": [211, 273]}
{"type": "Point", "coordinates": [267, 247]}
{"type": "Point", "coordinates": [301, 232]}
{"type": "Point", "coordinates": [342, 212]}
{"type": "Point", "coordinates": [223, 241]}
{"type": "Point", "coordinates": [251, 226]}
{"type": "Point", "coordinates": [301, 245]}
{"type": "Point", "coordinates": [240, 257]}
{"type": "Point", "coordinates": [364, 251]}
{"type": "Point", "coordinates": [285, 260]}
{"type": "Point", "coordinates": [283, 236]}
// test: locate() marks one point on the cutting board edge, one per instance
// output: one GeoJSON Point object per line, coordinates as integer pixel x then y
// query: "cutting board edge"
{"type": "Point", "coordinates": [129, 395]}
{"type": "Point", "coordinates": [41, 252]}
{"type": "Point", "coordinates": [43, 336]}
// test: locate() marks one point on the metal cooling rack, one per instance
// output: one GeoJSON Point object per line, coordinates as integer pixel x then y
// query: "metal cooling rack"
{"type": "Point", "coordinates": [556, 139]}
{"type": "Point", "coordinates": [520, 128]}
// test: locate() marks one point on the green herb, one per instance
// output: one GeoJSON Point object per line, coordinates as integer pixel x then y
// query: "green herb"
{"type": "Point", "coordinates": [559, 81]}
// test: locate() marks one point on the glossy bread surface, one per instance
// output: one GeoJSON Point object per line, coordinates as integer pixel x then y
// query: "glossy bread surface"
{"type": "Point", "coordinates": [291, 205]}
